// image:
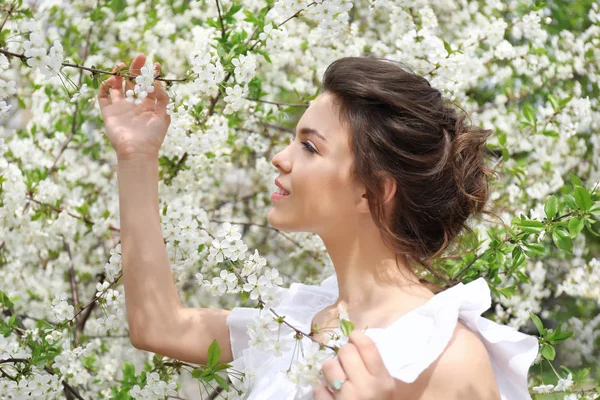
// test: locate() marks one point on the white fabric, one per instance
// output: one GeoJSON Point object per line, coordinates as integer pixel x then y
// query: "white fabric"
{"type": "Point", "coordinates": [408, 346]}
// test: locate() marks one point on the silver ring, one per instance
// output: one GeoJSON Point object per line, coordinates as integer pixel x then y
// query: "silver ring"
{"type": "Point", "coordinates": [337, 385]}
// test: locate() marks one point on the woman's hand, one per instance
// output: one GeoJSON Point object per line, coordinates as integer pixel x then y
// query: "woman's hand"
{"type": "Point", "coordinates": [360, 367]}
{"type": "Point", "coordinates": [134, 130]}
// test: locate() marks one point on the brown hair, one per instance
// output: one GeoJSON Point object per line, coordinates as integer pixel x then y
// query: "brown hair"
{"type": "Point", "coordinates": [402, 127]}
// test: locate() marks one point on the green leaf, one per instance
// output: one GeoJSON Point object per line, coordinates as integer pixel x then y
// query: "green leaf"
{"type": "Point", "coordinates": [529, 113]}
{"type": "Point", "coordinates": [197, 373]}
{"type": "Point", "coordinates": [245, 296]}
{"type": "Point", "coordinates": [570, 201]}
{"type": "Point", "coordinates": [4, 299]}
{"type": "Point", "coordinates": [233, 10]}
{"type": "Point", "coordinates": [551, 207]}
{"type": "Point", "coordinates": [583, 198]}
{"type": "Point", "coordinates": [509, 291]}
{"type": "Point", "coordinates": [346, 327]}
{"type": "Point", "coordinates": [560, 337]}
{"type": "Point", "coordinates": [595, 209]}
{"type": "Point", "coordinates": [538, 323]}
{"type": "Point", "coordinates": [534, 249]}
{"type": "Point", "coordinates": [575, 181]}
{"type": "Point", "coordinates": [562, 240]}
{"type": "Point", "coordinates": [222, 382]}
{"type": "Point", "coordinates": [250, 17]}
{"type": "Point", "coordinates": [448, 48]}
{"type": "Point", "coordinates": [565, 101]}
{"type": "Point", "coordinates": [550, 133]}
{"type": "Point", "coordinates": [575, 226]}
{"type": "Point", "coordinates": [214, 353]}
{"type": "Point", "coordinates": [118, 5]}
{"type": "Point", "coordinates": [221, 367]}
{"type": "Point", "coordinates": [97, 15]}
{"type": "Point", "coordinates": [128, 371]}
{"type": "Point", "coordinates": [548, 352]}
{"type": "Point", "coordinates": [517, 257]}
{"type": "Point", "coordinates": [554, 101]}
{"type": "Point", "coordinates": [531, 226]}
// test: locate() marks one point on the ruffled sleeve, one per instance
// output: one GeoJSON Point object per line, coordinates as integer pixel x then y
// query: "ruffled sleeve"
{"type": "Point", "coordinates": [237, 321]}
{"type": "Point", "coordinates": [412, 343]}
{"type": "Point", "coordinates": [298, 303]}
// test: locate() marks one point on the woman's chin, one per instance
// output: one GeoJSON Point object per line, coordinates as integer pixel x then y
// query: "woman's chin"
{"type": "Point", "coordinates": [277, 222]}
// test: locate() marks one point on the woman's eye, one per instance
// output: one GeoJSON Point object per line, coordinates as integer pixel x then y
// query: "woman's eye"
{"type": "Point", "coordinates": [308, 147]}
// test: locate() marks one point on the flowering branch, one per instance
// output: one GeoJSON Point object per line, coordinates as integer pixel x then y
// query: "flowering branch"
{"type": "Point", "coordinates": [221, 18]}
{"type": "Point", "coordinates": [278, 104]}
{"type": "Point", "coordinates": [8, 13]}
{"type": "Point", "coordinates": [96, 297]}
{"type": "Point", "coordinates": [94, 71]}
{"type": "Point", "coordinates": [74, 119]}
{"type": "Point", "coordinates": [59, 210]}
{"type": "Point", "coordinates": [74, 291]}
{"type": "Point", "coordinates": [20, 333]}
{"type": "Point", "coordinates": [215, 99]}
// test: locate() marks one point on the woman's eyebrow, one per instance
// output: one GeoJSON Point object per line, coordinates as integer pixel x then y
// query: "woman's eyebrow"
{"type": "Point", "coordinates": [311, 131]}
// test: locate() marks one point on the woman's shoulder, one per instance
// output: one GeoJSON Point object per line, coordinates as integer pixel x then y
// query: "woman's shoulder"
{"type": "Point", "coordinates": [447, 341]}
{"type": "Point", "coordinates": [452, 374]}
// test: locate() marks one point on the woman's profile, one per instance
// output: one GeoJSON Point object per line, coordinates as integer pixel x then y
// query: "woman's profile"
{"type": "Point", "coordinates": [386, 172]}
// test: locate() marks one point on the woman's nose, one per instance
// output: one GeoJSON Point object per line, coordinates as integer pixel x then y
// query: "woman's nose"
{"type": "Point", "coordinates": [281, 161]}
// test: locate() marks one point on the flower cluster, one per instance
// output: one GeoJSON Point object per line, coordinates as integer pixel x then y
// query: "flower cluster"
{"type": "Point", "coordinates": [210, 73]}
{"type": "Point", "coordinates": [144, 84]}
{"type": "Point", "coordinates": [155, 388]}
{"type": "Point", "coordinates": [35, 51]}
{"type": "Point", "coordinates": [563, 385]}
{"type": "Point", "coordinates": [61, 308]}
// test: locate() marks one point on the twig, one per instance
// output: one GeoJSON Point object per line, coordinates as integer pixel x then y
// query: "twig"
{"type": "Point", "coordinates": [97, 297]}
{"type": "Point", "coordinates": [221, 18]}
{"type": "Point", "coordinates": [478, 256]}
{"type": "Point", "coordinates": [278, 104]}
{"type": "Point", "coordinates": [92, 70]}
{"type": "Point", "coordinates": [59, 210]}
{"type": "Point", "coordinates": [8, 13]}
{"type": "Point", "coordinates": [74, 291]}
{"type": "Point", "coordinates": [75, 113]}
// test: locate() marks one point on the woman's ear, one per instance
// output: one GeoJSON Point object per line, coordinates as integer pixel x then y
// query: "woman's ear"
{"type": "Point", "coordinates": [389, 191]}
{"type": "Point", "coordinates": [390, 187]}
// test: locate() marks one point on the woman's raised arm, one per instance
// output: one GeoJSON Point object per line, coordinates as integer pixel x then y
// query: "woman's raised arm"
{"type": "Point", "coordinates": [157, 320]}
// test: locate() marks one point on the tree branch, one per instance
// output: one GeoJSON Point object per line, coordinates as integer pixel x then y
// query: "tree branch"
{"type": "Point", "coordinates": [94, 71]}
{"type": "Point", "coordinates": [59, 210]}
{"type": "Point", "coordinates": [221, 18]}
{"type": "Point", "coordinates": [8, 13]}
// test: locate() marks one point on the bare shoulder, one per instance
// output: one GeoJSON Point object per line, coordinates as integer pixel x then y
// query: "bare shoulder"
{"type": "Point", "coordinates": [463, 371]}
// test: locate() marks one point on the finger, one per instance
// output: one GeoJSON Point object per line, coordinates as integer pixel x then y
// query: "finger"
{"type": "Point", "coordinates": [161, 95]}
{"type": "Point", "coordinates": [137, 64]}
{"type": "Point", "coordinates": [322, 393]}
{"type": "Point", "coordinates": [368, 352]}
{"type": "Point", "coordinates": [107, 92]}
{"type": "Point", "coordinates": [352, 363]}
{"type": "Point", "coordinates": [156, 84]}
{"type": "Point", "coordinates": [104, 95]}
{"type": "Point", "coordinates": [116, 84]}
{"type": "Point", "coordinates": [134, 70]}
{"type": "Point", "coordinates": [333, 370]}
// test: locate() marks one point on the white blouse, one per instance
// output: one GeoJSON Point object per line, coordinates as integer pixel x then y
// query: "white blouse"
{"type": "Point", "coordinates": [408, 346]}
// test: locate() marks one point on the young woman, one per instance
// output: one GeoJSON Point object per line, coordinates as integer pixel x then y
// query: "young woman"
{"type": "Point", "coordinates": [386, 173]}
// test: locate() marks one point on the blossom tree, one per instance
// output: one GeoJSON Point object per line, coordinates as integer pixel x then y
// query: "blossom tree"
{"type": "Point", "coordinates": [239, 74]}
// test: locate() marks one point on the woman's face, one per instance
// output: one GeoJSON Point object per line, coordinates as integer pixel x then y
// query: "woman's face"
{"type": "Point", "coordinates": [315, 171]}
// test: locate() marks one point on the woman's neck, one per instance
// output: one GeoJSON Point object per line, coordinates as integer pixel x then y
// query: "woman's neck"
{"type": "Point", "coordinates": [367, 273]}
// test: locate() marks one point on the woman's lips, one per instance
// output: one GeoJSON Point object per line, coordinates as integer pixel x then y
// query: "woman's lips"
{"type": "Point", "coordinates": [278, 196]}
